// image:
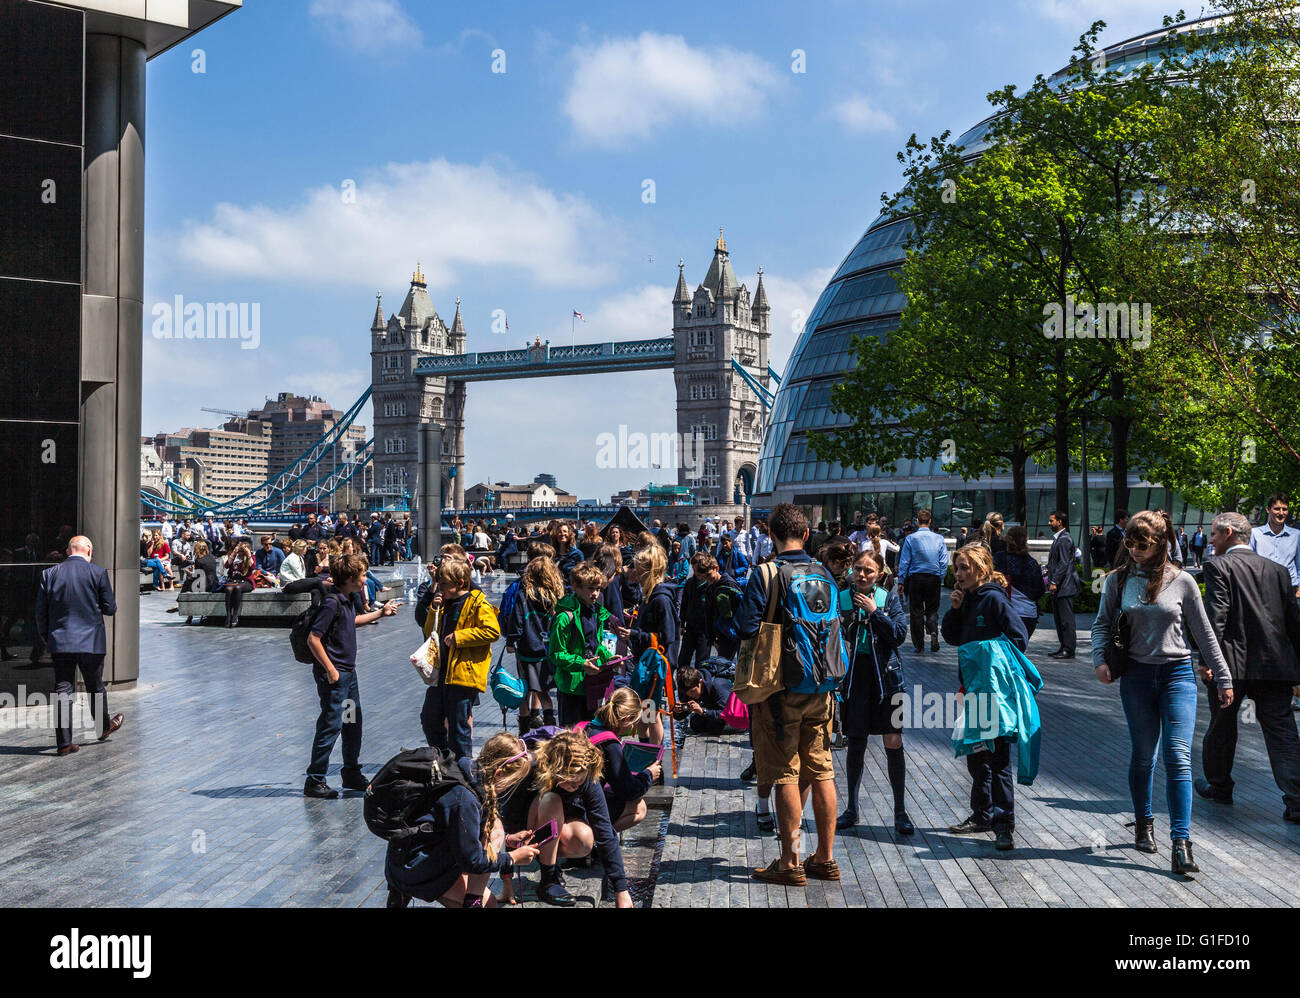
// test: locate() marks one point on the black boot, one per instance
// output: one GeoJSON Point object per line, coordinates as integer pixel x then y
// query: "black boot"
{"type": "Point", "coordinates": [396, 899]}
{"type": "Point", "coordinates": [552, 889]}
{"type": "Point", "coordinates": [1181, 860]}
{"type": "Point", "coordinates": [1144, 834]}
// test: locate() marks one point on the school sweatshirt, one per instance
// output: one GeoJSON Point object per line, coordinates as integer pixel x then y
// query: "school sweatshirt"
{"type": "Point", "coordinates": [657, 615]}
{"type": "Point", "coordinates": [984, 614]}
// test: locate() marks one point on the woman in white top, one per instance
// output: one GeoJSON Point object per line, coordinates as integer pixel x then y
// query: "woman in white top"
{"type": "Point", "coordinates": [294, 578]}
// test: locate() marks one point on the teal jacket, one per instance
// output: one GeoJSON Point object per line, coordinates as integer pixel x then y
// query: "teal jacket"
{"type": "Point", "coordinates": [1000, 684]}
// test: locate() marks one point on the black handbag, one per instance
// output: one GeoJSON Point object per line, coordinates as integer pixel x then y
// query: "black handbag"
{"type": "Point", "coordinates": [1116, 652]}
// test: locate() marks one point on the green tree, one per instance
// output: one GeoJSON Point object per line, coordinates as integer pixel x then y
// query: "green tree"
{"type": "Point", "coordinates": [1061, 208]}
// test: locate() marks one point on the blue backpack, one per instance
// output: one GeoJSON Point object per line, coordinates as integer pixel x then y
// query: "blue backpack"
{"type": "Point", "coordinates": [813, 654]}
{"type": "Point", "coordinates": [509, 596]}
{"type": "Point", "coordinates": [649, 674]}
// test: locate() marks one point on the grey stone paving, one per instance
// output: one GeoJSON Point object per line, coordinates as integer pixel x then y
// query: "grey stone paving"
{"type": "Point", "coordinates": [197, 800]}
{"type": "Point", "coordinates": [1073, 849]}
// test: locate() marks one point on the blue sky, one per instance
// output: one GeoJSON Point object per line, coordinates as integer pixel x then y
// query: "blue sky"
{"type": "Point", "coordinates": [522, 190]}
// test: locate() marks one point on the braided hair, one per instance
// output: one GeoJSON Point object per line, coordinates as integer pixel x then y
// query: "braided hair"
{"type": "Point", "coordinates": [503, 764]}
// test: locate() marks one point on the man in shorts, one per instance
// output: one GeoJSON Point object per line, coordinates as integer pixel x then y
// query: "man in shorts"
{"type": "Point", "coordinates": [791, 731]}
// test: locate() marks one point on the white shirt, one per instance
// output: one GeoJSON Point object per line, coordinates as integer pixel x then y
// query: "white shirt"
{"type": "Point", "coordinates": [168, 530]}
{"type": "Point", "coordinates": [482, 541]}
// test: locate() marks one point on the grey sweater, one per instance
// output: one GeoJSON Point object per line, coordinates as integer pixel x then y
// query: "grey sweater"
{"type": "Point", "coordinates": [1158, 627]}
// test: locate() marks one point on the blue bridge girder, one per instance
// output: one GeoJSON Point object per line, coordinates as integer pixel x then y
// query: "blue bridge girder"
{"type": "Point", "coordinates": [546, 361]}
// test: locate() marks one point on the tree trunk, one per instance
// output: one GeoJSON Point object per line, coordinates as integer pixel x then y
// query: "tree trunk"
{"type": "Point", "coordinates": [1119, 432]}
{"type": "Point", "coordinates": [1061, 433]}
{"type": "Point", "coordinates": [1019, 498]}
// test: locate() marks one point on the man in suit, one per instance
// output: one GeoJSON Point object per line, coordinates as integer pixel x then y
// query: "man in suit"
{"type": "Point", "coordinates": [70, 606]}
{"type": "Point", "coordinates": [1115, 536]}
{"type": "Point", "coordinates": [922, 568]}
{"type": "Point", "coordinates": [1253, 610]}
{"type": "Point", "coordinates": [1063, 583]}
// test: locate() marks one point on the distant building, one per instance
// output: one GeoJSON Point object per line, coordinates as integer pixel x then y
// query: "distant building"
{"type": "Point", "coordinates": [232, 460]}
{"type": "Point", "coordinates": [628, 497]}
{"type": "Point", "coordinates": [546, 479]}
{"type": "Point", "coordinates": [503, 495]}
{"type": "Point", "coordinates": [298, 422]}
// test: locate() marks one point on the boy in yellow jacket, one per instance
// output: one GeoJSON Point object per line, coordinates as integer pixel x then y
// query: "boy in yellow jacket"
{"type": "Point", "coordinates": [465, 625]}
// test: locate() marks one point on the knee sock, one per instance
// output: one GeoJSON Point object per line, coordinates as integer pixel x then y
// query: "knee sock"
{"type": "Point", "coordinates": [897, 775]}
{"type": "Point", "coordinates": [855, 762]}
{"type": "Point", "coordinates": [762, 806]}
{"type": "Point", "coordinates": [548, 717]}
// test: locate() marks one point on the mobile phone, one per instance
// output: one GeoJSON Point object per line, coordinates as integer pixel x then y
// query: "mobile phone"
{"type": "Point", "coordinates": [544, 834]}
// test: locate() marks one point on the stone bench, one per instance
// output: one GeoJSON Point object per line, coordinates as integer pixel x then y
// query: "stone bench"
{"type": "Point", "coordinates": [272, 603]}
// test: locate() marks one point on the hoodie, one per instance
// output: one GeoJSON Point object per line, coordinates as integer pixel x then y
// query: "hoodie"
{"type": "Point", "coordinates": [984, 614]}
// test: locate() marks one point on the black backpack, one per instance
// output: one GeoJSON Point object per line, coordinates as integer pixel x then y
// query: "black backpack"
{"type": "Point", "coordinates": [301, 631]}
{"type": "Point", "coordinates": [405, 788]}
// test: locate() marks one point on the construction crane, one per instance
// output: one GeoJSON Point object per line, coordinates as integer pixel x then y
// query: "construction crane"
{"type": "Point", "coordinates": [224, 412]}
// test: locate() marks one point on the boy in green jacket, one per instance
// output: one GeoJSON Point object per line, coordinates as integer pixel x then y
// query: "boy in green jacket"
{"type": "Point", "coordinates": [577, 646]}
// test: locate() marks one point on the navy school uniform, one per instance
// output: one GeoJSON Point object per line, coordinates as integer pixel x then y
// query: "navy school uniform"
{"type": "Point", "coordinates": [657, 615]}
{"type": "Point", "coordinates": [874, 676]}
{"type": "Point", "coordinates": [586, 804]}
{"type": "Point", "coordinates": [528, 629]}
{"type": "Point", "coordinates": [336, 626]}
{"type": "Point", "coordinates": [622, 786]}
{"type": "Point", "coordinates": [454, 848]}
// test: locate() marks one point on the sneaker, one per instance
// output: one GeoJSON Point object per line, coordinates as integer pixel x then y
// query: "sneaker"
{"type": "Point", "coordinates": [355, 781]}
{"type": "Point", "coordinates": [318, 788]}
{"type": "Point", "coordinates": [971, 826]}
{"type": "Point", "coordinates": [749, 774]}
{"type": "Point", "coordinates": [1006, 838]}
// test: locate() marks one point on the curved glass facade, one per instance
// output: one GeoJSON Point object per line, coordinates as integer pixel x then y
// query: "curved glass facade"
{"type": "Point", "coordinates": [862, 299]}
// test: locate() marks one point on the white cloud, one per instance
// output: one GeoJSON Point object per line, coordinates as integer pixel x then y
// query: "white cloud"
{"type": "Point", "coordinates": [367, 26]}
{"type": "Point", "coordinates": [448, 216]}
{"type": "Point", "coordinates": [857, 114]}
{"type": "Point", "coordinates": [634, 88]}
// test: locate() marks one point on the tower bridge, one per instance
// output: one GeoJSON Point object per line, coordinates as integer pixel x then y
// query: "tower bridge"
{"type": "Point", "coordinates": [718, 353]}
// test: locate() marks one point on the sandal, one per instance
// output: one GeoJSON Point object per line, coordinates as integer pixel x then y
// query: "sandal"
{"type": "Point", "coordinates": [773, 874]}
{"type": "Point", "coordinates": [830, 870]}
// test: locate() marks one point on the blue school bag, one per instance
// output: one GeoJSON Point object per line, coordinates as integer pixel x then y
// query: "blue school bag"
{"type": "Point", "coordinates": [649, 674]}
{"type": "Point", "coordinates": [813, 655]}
{"type": "Point", "coordinates": [507, 690]}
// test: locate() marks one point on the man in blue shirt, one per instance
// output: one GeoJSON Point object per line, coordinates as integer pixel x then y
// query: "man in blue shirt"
{"type": "Point", "coordinates": [922, 566]}
{"type": "Point", "coordinates": [1278, 542]}
{"type": "Point", "coordinates": [269, 558]}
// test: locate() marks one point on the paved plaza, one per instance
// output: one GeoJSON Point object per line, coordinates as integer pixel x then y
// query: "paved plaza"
{"type": "Point", "coordinates": [197, 800]}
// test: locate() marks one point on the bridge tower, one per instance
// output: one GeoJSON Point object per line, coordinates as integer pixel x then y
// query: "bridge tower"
{"type": "Point", "coordinates": [402, 401]}
{"type": "Point", "coordinates": [719, 321]}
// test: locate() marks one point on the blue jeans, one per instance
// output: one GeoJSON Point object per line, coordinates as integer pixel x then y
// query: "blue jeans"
{"type": "Point", "coordinates": [340, 713]}
{"type": "Point", "coordinates": [1160, 705]}
{"type": "Point", "coordinates": [159, 570]}
{"type": "Point", "coordinates": [445, 718]}
{"type": "Point", "coordinates": [372, 587]}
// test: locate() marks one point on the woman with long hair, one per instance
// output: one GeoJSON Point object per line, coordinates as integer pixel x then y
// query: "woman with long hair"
{"type": "Point", "coordinates": [991, 532]}
{"type": "Point", "coordinates": [239, 580]}
{"type": "Point", "coordinates": [1024, 573]}
{"type": "Point", "coordinates": [998, 687]}
{"type": "Point", "coordinates": [1158, 683]}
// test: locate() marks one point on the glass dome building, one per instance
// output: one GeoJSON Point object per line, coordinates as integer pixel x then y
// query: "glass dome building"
{"type": "Point", "coordinates": [862, 299]}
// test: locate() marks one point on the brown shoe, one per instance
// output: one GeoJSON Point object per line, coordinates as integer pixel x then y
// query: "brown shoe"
{"type": "Point", "coordinates": [830, 870]}
{"type": "Point", "coordinates": [69, 749]}
{"type": "Point", "coordinates": [114, 723]}
{"type": "Point", "coordinates": [773, 874]}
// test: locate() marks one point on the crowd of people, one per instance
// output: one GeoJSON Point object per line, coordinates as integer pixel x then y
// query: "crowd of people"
{"type": "Point", "coordinates": [789, 635]}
